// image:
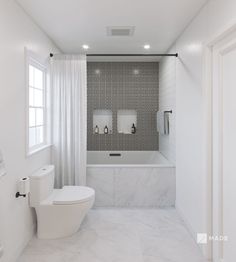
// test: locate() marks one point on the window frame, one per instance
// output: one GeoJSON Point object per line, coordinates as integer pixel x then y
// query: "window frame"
{"type": "Point", "coordinates": [33, 60]}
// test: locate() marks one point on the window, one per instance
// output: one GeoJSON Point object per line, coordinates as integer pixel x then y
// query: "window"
{"type": "Point", "coordinates": [36, 103]}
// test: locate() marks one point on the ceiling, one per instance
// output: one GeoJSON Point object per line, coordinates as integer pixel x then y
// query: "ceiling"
{"type": "Point", "coordinates": [72, 23]}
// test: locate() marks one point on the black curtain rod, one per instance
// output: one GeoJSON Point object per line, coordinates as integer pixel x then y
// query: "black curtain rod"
{"type": "Point", "coordinates": [175, 55]}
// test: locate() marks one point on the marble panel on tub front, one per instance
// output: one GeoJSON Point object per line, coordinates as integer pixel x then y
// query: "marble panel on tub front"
{"type": "Point", "coordinates": [144, 187]}
{"type": "Point", "coordinates": [102, 181]}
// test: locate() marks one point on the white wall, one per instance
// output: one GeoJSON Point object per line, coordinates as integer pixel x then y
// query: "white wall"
{"type": "Point", "coordinates": [16, 32]}
{"type": "Point", "coordinates": [167, 101]}
{"type": "Point", "coordinates": [192, 197]}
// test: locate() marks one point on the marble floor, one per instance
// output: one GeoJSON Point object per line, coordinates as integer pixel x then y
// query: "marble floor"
{"type": "Point", "coordinates": [120, 235]}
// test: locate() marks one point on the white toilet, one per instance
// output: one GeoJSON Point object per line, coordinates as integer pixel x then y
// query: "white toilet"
{"type": "Point", "coordinates": [59, 211]}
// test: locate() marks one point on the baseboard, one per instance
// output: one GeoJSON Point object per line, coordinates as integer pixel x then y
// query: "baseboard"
{"type": "Point", "coordinates": [17, 252]}
{"type": "Point", "coordinates": [203, 249]}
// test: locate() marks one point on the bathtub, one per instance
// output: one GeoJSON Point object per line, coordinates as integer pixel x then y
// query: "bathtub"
{"type": "Point", "coordinates": [131, 179]}
{"type": "Point", "coordinates": [126, 159]}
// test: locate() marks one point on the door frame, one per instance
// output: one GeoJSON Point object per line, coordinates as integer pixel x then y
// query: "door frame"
{"type": "Point", "coordinates": [214, 170]}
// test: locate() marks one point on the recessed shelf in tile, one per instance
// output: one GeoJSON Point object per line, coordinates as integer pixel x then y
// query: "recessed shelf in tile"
{"type": "Point", "coordinates": [125, 120]}
{"type": "Point", "coordinates": [101, 119]}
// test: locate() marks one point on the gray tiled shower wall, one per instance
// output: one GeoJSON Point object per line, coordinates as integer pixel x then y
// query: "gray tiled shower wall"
{"type": "Point", "coordinates": [124, 85]}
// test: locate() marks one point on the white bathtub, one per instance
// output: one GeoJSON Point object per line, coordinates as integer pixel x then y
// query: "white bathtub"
{"type": "Point", "coordinates": [126, 159]}
{"type": "Point", "coordinates": [131, 179]}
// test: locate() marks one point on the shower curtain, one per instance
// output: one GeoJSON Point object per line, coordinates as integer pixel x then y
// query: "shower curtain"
{"type": "Point", "coordinates": [69, 118]}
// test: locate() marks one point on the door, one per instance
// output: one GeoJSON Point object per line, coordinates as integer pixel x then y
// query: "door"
{"type": "Point", "coordinates": [224, 148]}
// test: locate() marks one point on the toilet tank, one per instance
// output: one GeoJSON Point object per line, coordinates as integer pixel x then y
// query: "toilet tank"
{"type": "Point", "coordinates": [41, 184]}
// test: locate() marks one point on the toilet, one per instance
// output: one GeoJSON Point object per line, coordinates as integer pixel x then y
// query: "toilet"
{"type": "Point", "coordinates": [59, 211]}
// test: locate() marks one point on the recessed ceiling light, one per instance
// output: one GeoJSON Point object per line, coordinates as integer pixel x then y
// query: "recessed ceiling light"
{"type": "Point", "coordinates": [135, 71]}
{"type": "Point", "coordinates": [86, 47]}
{"type": "Point", "coordinates": [146, 47]}
{"type": "Point", "coordinates": [97, 72]}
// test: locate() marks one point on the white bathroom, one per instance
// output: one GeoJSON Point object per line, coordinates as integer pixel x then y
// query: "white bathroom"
{"type": "Point", "coordinates": [117, 131]}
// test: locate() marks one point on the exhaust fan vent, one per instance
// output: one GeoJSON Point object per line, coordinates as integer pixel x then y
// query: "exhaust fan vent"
{"type": "Point", "coordinates": [120, 30]}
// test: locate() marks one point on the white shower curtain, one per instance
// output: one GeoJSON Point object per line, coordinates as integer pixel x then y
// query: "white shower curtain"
{"type": "Point", "coordinates": [69, 118]}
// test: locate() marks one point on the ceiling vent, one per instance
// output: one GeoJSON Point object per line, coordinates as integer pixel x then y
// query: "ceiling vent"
{"type": "Point", "coordinates": [120, 30]}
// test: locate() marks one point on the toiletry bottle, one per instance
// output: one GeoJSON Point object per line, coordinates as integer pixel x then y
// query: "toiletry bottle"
{"type": "Point", "coordinates": [133, 129]}
{"type": "Point", "coordinates": [106, 130]}
{"type": "Point", "coordinates": [96, 130]}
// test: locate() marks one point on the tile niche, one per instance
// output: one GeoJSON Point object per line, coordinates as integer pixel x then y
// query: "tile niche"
{"type": "Point", "coordinates": [125, 121]}
{"type": "Point", "coordinates": [101, 119]}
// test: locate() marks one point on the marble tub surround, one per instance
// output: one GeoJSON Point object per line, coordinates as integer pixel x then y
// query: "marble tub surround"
{"type": "Point", "coordinates": [121, 235]}
{"type": "Point", "coordinates": [132, 187]}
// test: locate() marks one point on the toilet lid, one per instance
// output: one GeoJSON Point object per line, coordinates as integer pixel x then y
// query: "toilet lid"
{"type": "Point", "coordinates": [73, 194]}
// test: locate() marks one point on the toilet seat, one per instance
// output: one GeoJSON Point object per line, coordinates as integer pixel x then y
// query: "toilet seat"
{"type": "Point", "coordinates": [69, 195]}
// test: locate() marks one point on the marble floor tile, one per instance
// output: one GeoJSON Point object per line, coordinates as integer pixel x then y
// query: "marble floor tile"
{"type": "Point", "coordinates": [120, 235]}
